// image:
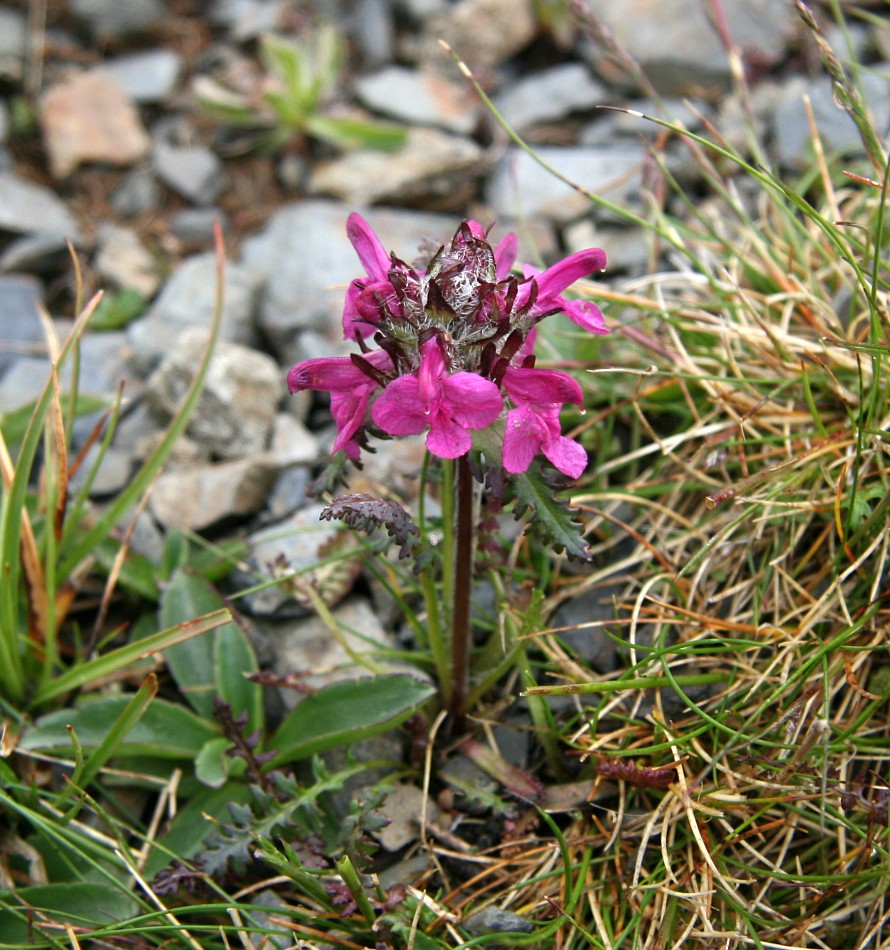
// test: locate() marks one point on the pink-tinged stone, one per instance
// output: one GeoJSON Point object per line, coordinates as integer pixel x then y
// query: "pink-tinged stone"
{"type": "Point", "coordinates": [87, 118]}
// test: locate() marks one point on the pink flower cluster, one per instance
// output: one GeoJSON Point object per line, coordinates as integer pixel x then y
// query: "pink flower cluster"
{"type": "Point", "coordinates": [455, 350]}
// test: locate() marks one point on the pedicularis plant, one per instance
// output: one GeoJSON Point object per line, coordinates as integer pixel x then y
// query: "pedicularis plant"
{"type": "Point", "coordinates": [449, 349]}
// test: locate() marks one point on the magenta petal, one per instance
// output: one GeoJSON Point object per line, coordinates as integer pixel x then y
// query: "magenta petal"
{"type": "Point", "coordinates": [567, 455]}
{"type": "Point", "coordinates": [325, 373]}
{"type": "Point", "coordinates": [472, 401]}
{"type": "Point", "coordinates": [505, 254]}
{"type": "Point", "coordinates": [348, 410]}
{"type": "Point", "coordinates": [541, 386]}
{"type": "Point", "coordinates": [586, 315]}
{"type": "Point", "coordinates": [557, 278]}
{"type": "Point", "coordinates": [476, 229]}
{"type": "Point", "coordinates": [522, 439]}
{"type": "Point", "coordinates": [448, 439]}
{"type": "Point", "coordinates": [367, 245]}
{"type": "Point", "coordinates": [353, 323]}
{"type": "Point", "coordinates": [398, 409]}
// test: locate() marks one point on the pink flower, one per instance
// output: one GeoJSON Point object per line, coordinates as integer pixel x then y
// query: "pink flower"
{"type": "Point", "coordinates": [450, 405]}
{"type": "Point", "coordinates": [533, 424]}
{"type": "Point", "coordinates": [558, 278]}
{"type": "Point", "coordinates": [350, 388]}
{"type": "Point", "coordinates": [358, 314]}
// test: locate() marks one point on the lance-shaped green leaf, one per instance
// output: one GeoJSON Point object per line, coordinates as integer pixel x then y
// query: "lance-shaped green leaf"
{"type": "Point", "coordinates": [344, 713]}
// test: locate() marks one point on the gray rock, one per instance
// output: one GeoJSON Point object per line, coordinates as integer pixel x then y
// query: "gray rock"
{"type": "Point", "coordinates": [837, 130]}
{"type": "Point", "coordinates": [579, 623]}
{"type": "Point", "coordinates": [679, 49]}
{"type": "Point", "coordinates": [519, 181]}
{"type": "Point", "coordinates": [137, 193]}
{"type": "Point", "coordinates": [111, 19]}
{"type": "Point", "coordinates": [146, 538]}
{"type": "Point", "coordinates": [374, 31]}
{"type": "Point", "coordinates": [35, 253]}
{"type": "Point", "coordinates": [248, 19]}
{"type": "Point", "coordinates": [403, 807]}
{"type": "Point", "coordinates": [309, 262]}
{"type": "Point", "coordinates": [289, 547]}
{"type": "Point", "coordinates": [13, 44]}
{"type": "Point", "coordinates": [288, 494]}
{"type": "Point", "coordinates": [188, 299]}
{"type": "Point", "coordinates": [627, 248]}
{"type": "Point", "coordinates": [292, 443]}
{"type": "Point", "coordinates": [124, 260]}
{"type": "Point", "coordinates": [87, 118]}
{"type": "Point", "coordinates": [236, 409]}
{"type": "Point", "coordinates": [150, 76]}
{"type": "Point", "coordinates": [23, 382]}
{"type": "Point", "coordinates": [419, 97]}
{"type": "Point", "coordinates": [432, 165]}
{"type": "Point", "coordinates": [104, 362]}
{"type": "Point", "coordinates": [112, 475]}
{"type": "Point", "coordinates": [196, 225]}
{"type": "Point", "coordinates": [192, 171]}
{"type": "Point", "coordinates": [21, 333]}
{"type": "Point", "coordinates": [493, 920]}
{"type": "Point", "coordinates": [550, 95]}
{"type": "Point", "coordinates": [28, 208]}
{"type": "Point", "coordinates": [202, 497]}
{"type": "Point", "coordinates": [484, 33]}
{"type": "Point", "coordinates": [305, 645]}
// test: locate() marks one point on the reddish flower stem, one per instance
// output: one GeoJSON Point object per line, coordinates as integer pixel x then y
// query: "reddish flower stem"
{"type": "Point", "coordinates": [463, 585]}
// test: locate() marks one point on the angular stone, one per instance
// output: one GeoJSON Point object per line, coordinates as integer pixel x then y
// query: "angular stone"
{"type": "Point", "coordinates": [419, 97]}
{"type": "Point", "coordinates": [23, 382]}
{"type": "Point", "coordinates": [678, 47]}
{"type": "Point", "coordinates": [111, 19]}
{"type": "Point", "coordinates": [520, 182]}
{"type": "Point", "coordinates": [200, 498]}
{"type": "Point", "coordinates": [550, 95]}
{"type": "Point", "coordinates": [35, 254]}
{"type": "Point", "coordinates": [28, 208]}
{"type": "Point", "coordinates": [125, 261]}
{"type": "Point", "coordinates": [237, 406]}
{"type": "Point", "coordinates": [432, 165]}
{"type": "Point", "coordinates": [292, 443]}
{"type": "Point", "coordinates": [192, 171]}
{"type": "Point", "coordinates": [150, 76]}
{"type": "Point", "coordinates": [21, 333]}
{"type": "Point", "coordinates": [287, 547]}
{"type": "Point", "coordinates": [791, 126]}
{"type": "Point", "coordinates": [484, 33]}
{"type": "Point", "coordinates": [306, 646]}
{"type": "Point", "coordinates": [13, 44]}
{"type": "Point", "coordinates": [188, 299]}
{"type": "Point", "coordinates": [87, 118]}
{"type": "Point", "coordinates": [137, 193]}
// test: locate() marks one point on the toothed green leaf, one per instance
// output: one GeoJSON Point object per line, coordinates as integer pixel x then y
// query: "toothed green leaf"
{"type": "Point", "coordinates": [549, 516]}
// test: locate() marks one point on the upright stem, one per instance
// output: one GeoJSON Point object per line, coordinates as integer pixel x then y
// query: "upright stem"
{"type": "Point", "coordinates": [463, 584]}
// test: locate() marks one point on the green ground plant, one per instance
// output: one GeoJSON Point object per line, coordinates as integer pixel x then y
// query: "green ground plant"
{"type": "Point", "coordinates": [733, 770]}
{"type": "Point", "coordinates": [293, 101]}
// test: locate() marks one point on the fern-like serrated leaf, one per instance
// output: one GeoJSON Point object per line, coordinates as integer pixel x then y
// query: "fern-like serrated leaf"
{"type": "Point", "coordinates": [549, 516]}
{"type": "Point", "coordinates": [364, 512]}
